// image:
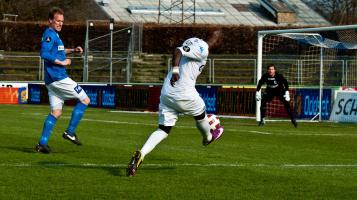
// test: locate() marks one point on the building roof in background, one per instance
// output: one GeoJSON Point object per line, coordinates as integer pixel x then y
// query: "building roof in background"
{"type": "Point", "coordinates": [228, 12]}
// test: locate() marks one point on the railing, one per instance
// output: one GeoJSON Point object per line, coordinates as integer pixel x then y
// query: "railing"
{"type": "Point", "coordinates": [238, 71]}
{"type": "Point", "coordinates": [29, 66]}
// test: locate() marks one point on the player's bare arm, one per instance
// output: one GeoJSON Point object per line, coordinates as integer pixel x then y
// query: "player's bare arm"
{"type": "Point", "coordinates": [78, 49]}
{"type": "Point", "coordinates": [65, 62]}
{"type": "Point", "coordinates": [175, 66]}
{"type": "Point", "coordinates": [215, 39]}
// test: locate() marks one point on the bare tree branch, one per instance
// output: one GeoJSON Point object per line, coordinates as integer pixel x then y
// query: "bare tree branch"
{"type": "Point", "coordinates": [336, 11]}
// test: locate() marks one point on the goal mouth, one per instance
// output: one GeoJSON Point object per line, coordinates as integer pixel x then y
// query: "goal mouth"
{"type": "Point", "coordinates": [316, 61]}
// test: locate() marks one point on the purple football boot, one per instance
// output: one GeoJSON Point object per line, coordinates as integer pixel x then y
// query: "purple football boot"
{"type": "Point", "coordinates": [216, 134]}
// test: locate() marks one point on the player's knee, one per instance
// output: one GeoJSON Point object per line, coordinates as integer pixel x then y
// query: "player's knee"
{"type": "Point", "coordinates": [86, 101]}
{"type": "Point", "coordinates": [166, 129]}
{"type": "Point", "coordinates": [201, 116]}
{"type": "Point", "coordinates": [56, 113]}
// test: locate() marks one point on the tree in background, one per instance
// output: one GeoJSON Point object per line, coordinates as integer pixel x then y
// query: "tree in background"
{"type": "Point", "coordinates": [338, 12]}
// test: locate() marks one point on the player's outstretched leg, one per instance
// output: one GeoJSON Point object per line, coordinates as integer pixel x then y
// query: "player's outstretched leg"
{"type": "Point", "coordinates": [42, 146]}
{"type": "Point", "coordinates": [134, 163]}
{"type": "Point", "coordinates": [77, 114]}
{"type": "Point", "coordinates": [216, 134]}
{"type": "Point", "coordinates": [204, 128]}
{"type": "Point", "coordinates": [155, 138]}
{"type": "Point", "coordinates": [208, 135]}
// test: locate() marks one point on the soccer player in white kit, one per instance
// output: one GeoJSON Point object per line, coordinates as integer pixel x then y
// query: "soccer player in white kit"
{"type": "Point", "coordinates": [179, 95]}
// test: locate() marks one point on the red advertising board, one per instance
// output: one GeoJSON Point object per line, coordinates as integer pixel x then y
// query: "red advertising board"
{"type": "Point", "coordinates": [9, 95]}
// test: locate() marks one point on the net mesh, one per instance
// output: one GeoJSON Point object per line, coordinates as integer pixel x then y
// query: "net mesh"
{"type": "Point", "coordinates": [298, 56]}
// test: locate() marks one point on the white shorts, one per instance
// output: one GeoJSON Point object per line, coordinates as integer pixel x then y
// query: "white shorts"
{"type": "Point", "coordinates": [64, 89]}
{"type": "Point", "coordinates": [169, 109]}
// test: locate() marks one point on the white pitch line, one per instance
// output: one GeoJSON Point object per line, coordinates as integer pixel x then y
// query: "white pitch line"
{"type": "Point", "coordinates": [264, 133]}
{"type": "Point", "coordinates": [324, 134]}
{"type": "Point", "coordinates": [193, 127]}
{"type": "Point", "coordinates": [232, 165]}
{"type": "Point", "coordinates": [132, 112]}
{"type": "Point", "coordinates": [116, 122]}
{"type": "Point", "coordinates": [319, 165]}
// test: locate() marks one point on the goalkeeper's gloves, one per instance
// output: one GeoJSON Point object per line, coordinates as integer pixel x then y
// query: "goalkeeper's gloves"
{"type": "Point", "coordinates": [287, 95]}
{"type": "Point", "coordinates": [258, 97]}
{"type": "Point", "coordinates": [175, 75]}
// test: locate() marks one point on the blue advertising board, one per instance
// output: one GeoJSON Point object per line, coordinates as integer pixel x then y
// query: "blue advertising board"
{"type": "Point", "coordinates": [92, 92]}
{"type": "Point", "coordinates": [307, 103]}
{"type": "Point", "coordinates": [209, 96]}
{"type": "Point", "coordinates": [34, 93]}
{"type": "Point", "coordinates": [108, 97]}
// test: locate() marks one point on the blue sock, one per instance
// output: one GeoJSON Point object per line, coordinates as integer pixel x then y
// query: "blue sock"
{"type": "Point", "coordinates": [77, 115]}
{"type": "Point", "coordinates": [47, 129]}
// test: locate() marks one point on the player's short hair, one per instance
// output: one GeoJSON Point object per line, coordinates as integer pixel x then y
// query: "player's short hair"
{"type": "Point", "coordinates": [271, 65]}
{"type": "Point", "coordinates": [54, 11]}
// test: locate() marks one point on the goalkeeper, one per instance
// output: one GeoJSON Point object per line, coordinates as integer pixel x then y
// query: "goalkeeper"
{"type": "Point", "coordinates": [277, 86]}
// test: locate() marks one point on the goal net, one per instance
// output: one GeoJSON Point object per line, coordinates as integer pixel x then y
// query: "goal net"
{"type": "Point", "coordinates": [313, 60]}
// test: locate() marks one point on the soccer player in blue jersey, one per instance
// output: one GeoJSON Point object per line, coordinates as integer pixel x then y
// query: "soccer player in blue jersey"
{"type": "Point", "coordinates": [60, 87]}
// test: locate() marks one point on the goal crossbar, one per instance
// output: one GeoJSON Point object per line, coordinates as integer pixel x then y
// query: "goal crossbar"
{"type": "Point", "coordinates": [307, 30]}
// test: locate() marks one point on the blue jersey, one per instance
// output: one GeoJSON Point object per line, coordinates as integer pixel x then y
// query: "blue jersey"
{"type": "Point", "coordinates": [52, 48]}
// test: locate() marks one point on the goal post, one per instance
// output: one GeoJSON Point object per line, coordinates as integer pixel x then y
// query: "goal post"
{"type": "Point", "coordinates": [309, 58]}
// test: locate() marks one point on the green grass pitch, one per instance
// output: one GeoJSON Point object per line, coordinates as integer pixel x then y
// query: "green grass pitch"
{"type": "Point", "coordinates": [277, 161]}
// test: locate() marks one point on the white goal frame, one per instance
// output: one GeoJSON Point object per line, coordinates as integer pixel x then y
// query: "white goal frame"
{"type": "Point", "coordinates": [262, 34]}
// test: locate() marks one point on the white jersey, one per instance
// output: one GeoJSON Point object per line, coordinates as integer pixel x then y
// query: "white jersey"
{"type": "Point", "coordinates": [194, 55]}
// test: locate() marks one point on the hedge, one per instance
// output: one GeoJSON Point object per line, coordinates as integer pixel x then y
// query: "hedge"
{"type": "Point", "coordinates": [160, 39]}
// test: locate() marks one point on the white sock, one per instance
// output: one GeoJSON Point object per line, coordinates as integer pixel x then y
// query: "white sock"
{"type": "Point", "coordinates": [154, 139]}
{"type": "Point", "coordinates": [205, 128]}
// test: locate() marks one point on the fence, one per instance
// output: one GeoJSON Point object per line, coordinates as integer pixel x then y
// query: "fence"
{"type": "Point", "coordinates": [239, 71]}
{"type": "Point", "coordinates": [243, 71]}
{"type": "Point", "coordinates": [20, 68]}
{"type": "Point", "coordinates": [110, 51]}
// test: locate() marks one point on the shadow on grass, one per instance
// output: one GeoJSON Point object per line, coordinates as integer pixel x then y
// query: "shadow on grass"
{"type": "Point", "coordinates": [32, 149]}
{"type": "Point", "coordinates": [20, 149]}
{"type": "Point", "coordinates": [113, 170]}
{"type": "Point", "coordinates": [119, 171]}
{"type": "Point", "coordinates": [147, 170]}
